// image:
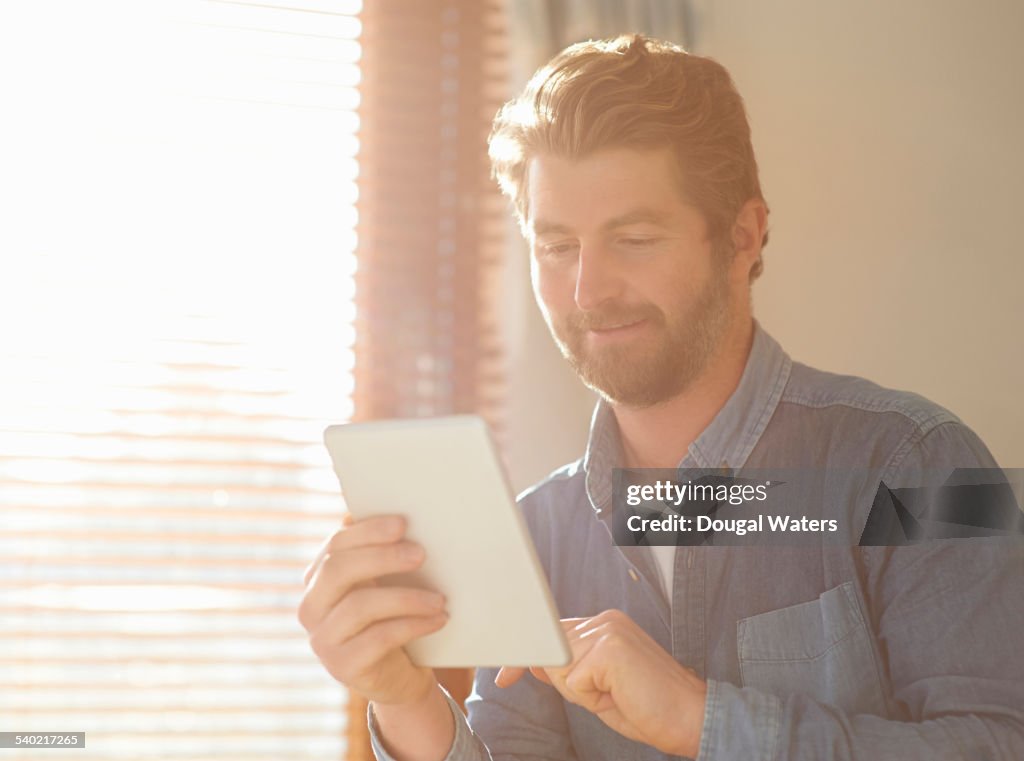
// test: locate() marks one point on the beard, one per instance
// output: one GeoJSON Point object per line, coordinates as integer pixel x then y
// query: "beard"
{"type": "Point", "coordinates": [661, 362]}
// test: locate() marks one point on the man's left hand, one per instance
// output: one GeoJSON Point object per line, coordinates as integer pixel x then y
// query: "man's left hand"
{"type": "Point", "coordinates": [626, 679]}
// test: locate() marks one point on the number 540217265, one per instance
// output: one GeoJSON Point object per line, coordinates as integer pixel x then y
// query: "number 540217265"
{"type": "Point", "coordinates": [42, 739]}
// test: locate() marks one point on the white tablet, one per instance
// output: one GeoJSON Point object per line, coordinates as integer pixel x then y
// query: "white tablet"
{"type": "Point", "coordinates": [443, 474]}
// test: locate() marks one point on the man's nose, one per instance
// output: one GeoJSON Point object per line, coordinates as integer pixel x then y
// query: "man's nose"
{"type": "Point", "coordinates": [598, 278]}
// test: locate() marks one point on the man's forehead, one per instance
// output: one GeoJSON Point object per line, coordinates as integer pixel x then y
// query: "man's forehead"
{"type": "Point", "coordinates": [609, 188]}
{"type": "Point", "coordinates": [617, 164]}
{"type": "Point", "coordinates": [636, 215]}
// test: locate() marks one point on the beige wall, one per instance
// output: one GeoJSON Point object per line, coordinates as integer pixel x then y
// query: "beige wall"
{"type": "Point", "coordinates": [549, 409]}
{"type": "Point", "coordinates": [889, 139]}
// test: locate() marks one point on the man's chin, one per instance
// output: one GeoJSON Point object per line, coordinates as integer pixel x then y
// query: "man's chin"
{"type": "Point", "coordinates": [632, 373]}
{"type": "Point", "coordinates": [626, 381]}
{"type": "Point", "coordinates": [637, 357]}
{"type": "Point", "coordinates": [630, 394]}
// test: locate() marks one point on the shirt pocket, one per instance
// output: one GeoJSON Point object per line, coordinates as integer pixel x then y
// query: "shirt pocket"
{"type": "Point", "coordinates": [821, 649]}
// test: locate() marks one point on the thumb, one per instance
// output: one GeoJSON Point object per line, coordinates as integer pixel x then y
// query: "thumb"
{"type": "Point", "coordinates": [508, 675]}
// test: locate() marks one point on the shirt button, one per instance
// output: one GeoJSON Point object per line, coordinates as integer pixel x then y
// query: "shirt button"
{"type": "Point", "coordinates": [633, 575]}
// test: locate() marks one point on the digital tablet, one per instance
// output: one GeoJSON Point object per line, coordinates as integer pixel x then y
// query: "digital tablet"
{"type": "Point", "coordinates": [443, 474]}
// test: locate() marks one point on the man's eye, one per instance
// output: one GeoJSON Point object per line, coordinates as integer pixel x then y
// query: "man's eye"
{"type": "Point", "coordinates": [638, 242]}
{"type": "Point", "coordinates": [558, 249]}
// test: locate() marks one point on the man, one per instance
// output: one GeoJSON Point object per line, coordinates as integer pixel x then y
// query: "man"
{"type": "Point", "coordinates": [631, 169]}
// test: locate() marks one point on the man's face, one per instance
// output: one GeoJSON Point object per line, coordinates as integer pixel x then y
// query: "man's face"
{"type": "Point", "coordinates": [624, 273]}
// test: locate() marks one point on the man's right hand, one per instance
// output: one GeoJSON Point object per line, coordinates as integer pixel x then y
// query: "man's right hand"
{"type": "Point", "coordinates": [358, 628]}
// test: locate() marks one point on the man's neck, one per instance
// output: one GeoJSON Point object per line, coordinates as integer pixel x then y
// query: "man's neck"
{"type": "Point", "coordinates": [659, 436]}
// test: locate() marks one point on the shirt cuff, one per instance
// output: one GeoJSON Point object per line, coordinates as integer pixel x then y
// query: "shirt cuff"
{"type": "Point", "coordinates": [739, 723]}
{"type": "Point", "coordinates": [465, 746]}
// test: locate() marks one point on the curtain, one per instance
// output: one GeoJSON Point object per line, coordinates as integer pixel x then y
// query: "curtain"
{"type": "Point", "coordinates": [541, 28]}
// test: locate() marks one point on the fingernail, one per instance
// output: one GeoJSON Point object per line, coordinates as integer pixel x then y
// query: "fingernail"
{"type": "Point", "coordinates": [412, 553]}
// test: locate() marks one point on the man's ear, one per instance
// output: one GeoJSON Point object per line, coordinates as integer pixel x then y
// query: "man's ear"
{"type": "Point", "coordinates": [748, 233]}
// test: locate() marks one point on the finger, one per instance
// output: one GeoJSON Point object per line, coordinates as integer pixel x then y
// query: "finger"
{"type": "Point", "coordinates": [585, 683]}
{"type": "Point", "coordinates": [610, 616]}
{"type": "Point", "coordinates": [380, 529]}
{"type": "Point", "coordinates": [575, 629]}
{"type": "Point", "coordinates": [585, 640]}
{"type": "Point", "coordinates": [572, 680]}
{"type": "Point", "coordinates": [508, 675]}
{"type": "Point", "coordinates": [579, 683]}
{"type": "Point", "coordinates": [376, 530]}
{"type": "Point", "coordinates": [364, 607]}
{"type": "Point", "coordinates": [540, 674]}
{"type": "Point", "coordinates": [568, 624]}
{"type": "Point", "coordinates": [361, 653]}
{"type": "Point", "coordinates": [610, 625]}
{"type": "Point", "coordinates": [580, 640]}
{"type": "Point", "coordinates": [340, 573]}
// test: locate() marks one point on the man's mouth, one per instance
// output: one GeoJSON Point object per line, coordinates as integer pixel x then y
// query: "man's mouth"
{"type": "Point", "coordinates": [618, 328]}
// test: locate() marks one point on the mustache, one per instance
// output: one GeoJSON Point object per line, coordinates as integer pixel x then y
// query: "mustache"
{"type": "Point", "coordinates": [611, 316]}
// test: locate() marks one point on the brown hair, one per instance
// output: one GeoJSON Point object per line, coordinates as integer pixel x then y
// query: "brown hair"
{"type": "Point", "coordinates": [637, 92]}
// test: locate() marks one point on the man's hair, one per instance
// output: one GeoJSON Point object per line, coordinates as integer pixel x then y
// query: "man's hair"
{"type": "Point", "coordinates": [635, 92]}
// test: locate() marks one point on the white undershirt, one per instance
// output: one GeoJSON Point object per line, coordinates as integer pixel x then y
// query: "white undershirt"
{"type": "Point", "coordinates": [665, 559]}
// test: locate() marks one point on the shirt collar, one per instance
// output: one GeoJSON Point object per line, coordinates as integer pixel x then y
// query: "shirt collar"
{"type": "Point", "coordinates": [728, 439]}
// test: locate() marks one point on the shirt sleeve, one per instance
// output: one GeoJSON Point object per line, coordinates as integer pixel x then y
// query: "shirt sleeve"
{"type": "Point", "coordinates": [524, 722]}
{"type": "Point", "coordinates": [948, 616]}
{"type": "Point", "coordinates": [465, 747]}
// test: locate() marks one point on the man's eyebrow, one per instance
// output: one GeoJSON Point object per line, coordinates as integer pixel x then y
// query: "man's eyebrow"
{"type": "Point", "coordinates": [641, 214]}
{"type": "Point", "coordinates": [543, 226]}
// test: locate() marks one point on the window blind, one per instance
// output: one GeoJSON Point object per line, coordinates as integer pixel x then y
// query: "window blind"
{"type": "Point", "coordinates": [177, 302]}
{"type": "Point", "coordinates": [432, 225]}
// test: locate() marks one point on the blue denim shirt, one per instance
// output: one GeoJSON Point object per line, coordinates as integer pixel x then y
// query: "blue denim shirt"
{"type": "Point", "coordinates": [809, 653]}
